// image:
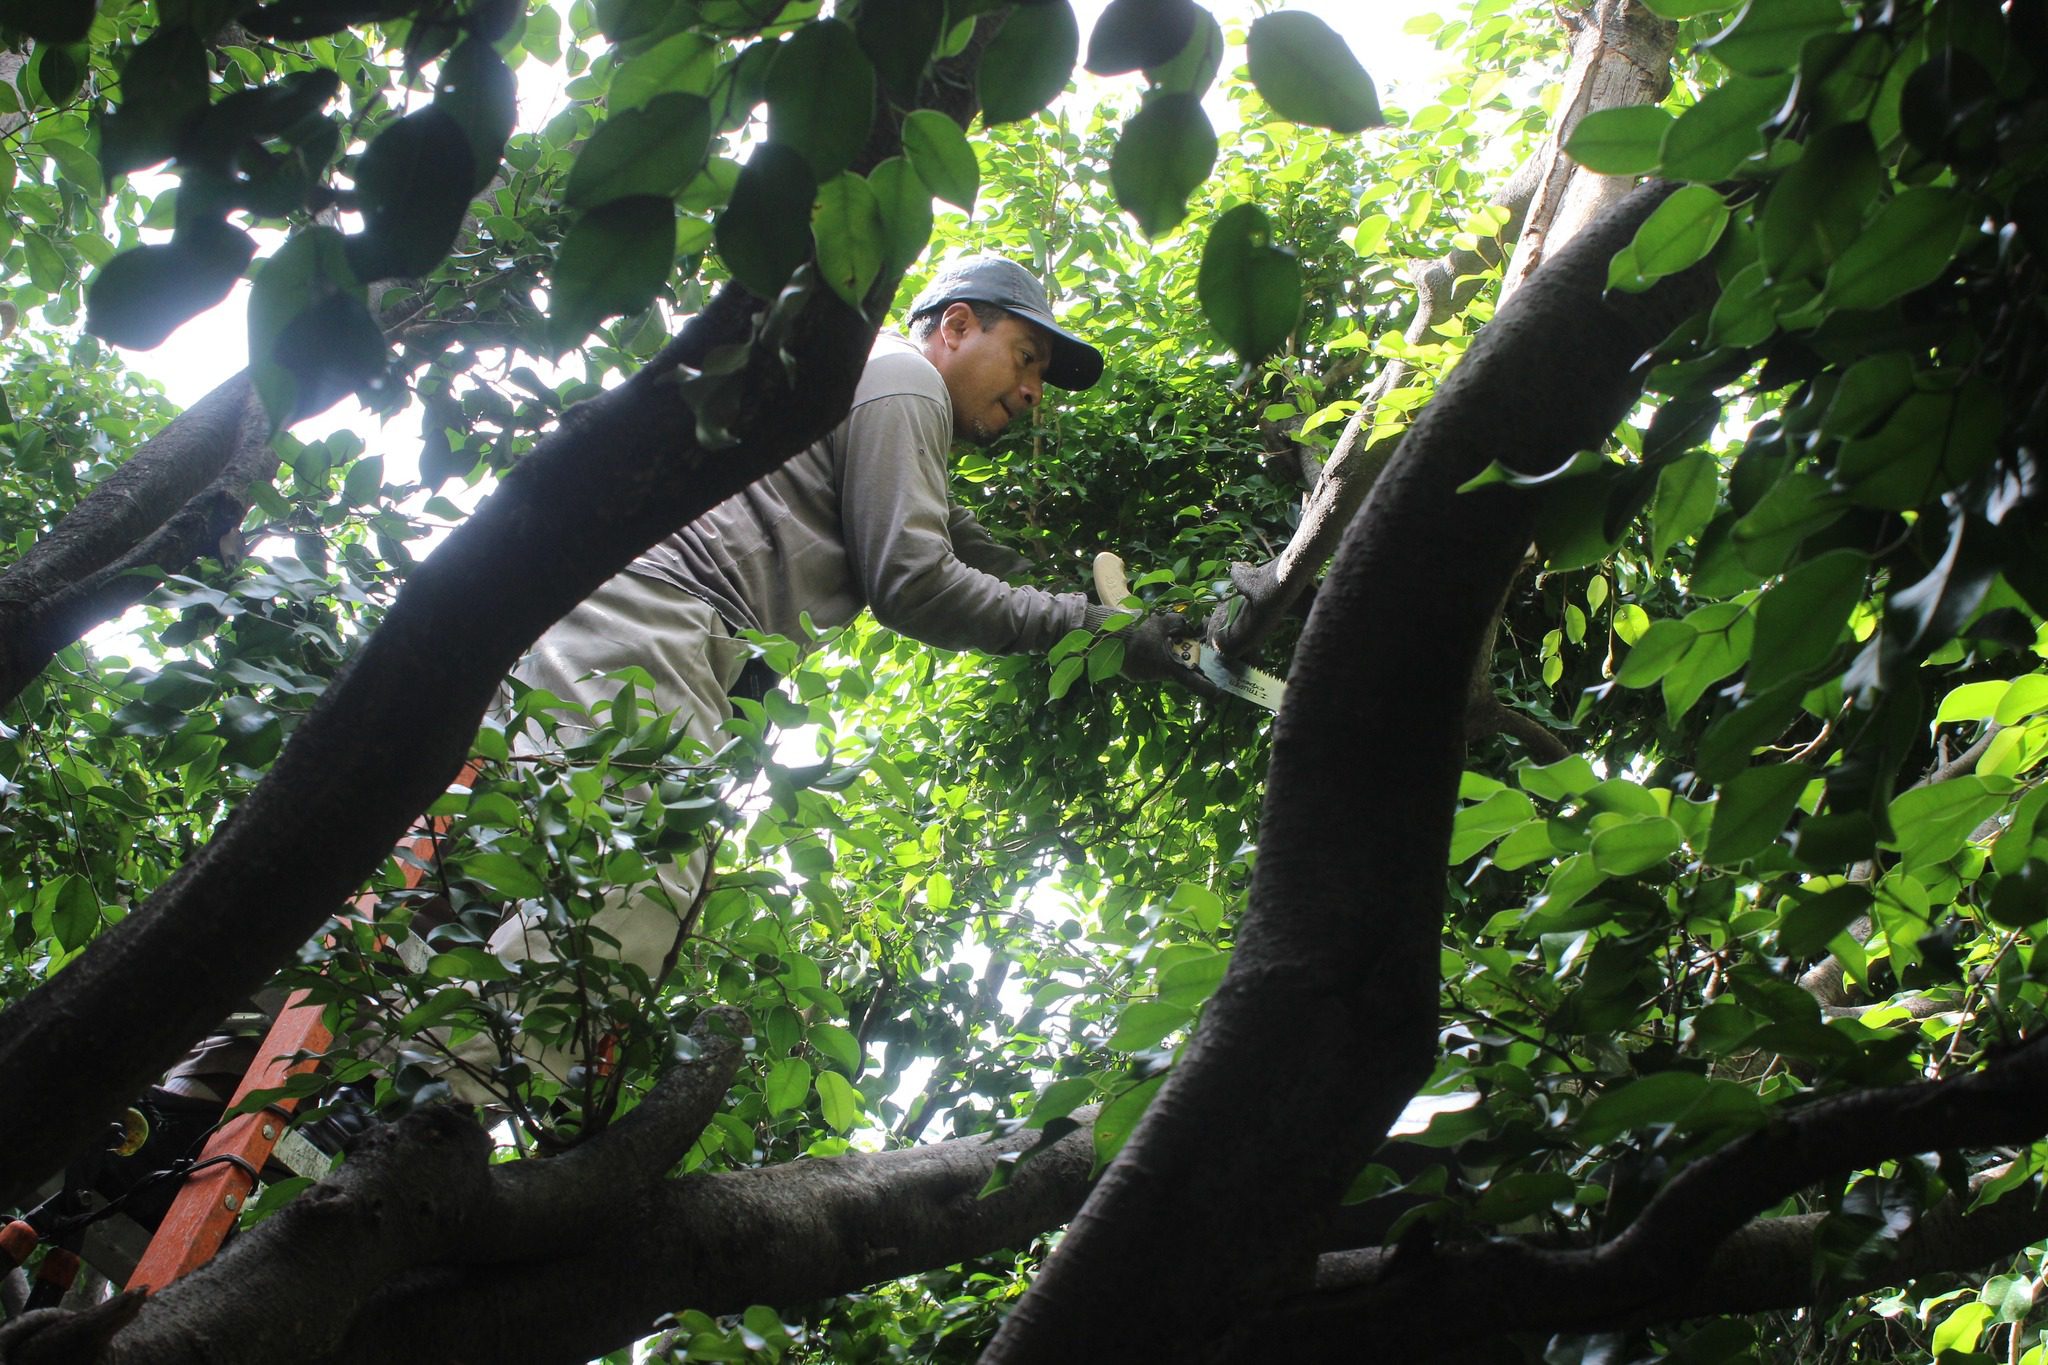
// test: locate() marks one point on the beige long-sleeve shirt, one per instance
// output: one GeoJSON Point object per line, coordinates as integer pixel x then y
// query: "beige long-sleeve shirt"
{"type": "Point", "coordinates": [863, 519]}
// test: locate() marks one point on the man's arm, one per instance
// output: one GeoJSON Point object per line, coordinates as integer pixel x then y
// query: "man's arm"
{"type": "Point", "coordinates": [896, 517]}
{"type": "Point", "coordinates": [977, 550]}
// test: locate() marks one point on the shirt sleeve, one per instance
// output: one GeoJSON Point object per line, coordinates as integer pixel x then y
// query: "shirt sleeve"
{"type": "Point", "coordinates": [977, 550]}
{"type": "Point", "coordinates": [895, 514]}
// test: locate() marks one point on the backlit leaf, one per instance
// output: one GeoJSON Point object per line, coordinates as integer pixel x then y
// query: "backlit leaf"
{"type": "Point", "coordinates": [1028, 63]}
{"type": "Point", "coordinates": [1166, 150]}
{"type": "Point", "coordinates": [1306, 71]}
{"type": "Point", "coordinates": [1250, 287]}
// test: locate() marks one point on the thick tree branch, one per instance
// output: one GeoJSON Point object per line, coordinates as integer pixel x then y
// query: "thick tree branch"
{"type": "Point", "coordinates": [618, 473]}
{"type": "Point", "coordinates": [1694, 1249]}
{"type": "Point", "coordinates": [1340, 943]}
{"type": "Point", "coordinates": [420, 1251]}
{"type": "Point", "coordinates": [420, 1194]}
{"type": "Point", "coordinates": [786, 1234]}
{"type": "Point", "coordinates": [170, 503]}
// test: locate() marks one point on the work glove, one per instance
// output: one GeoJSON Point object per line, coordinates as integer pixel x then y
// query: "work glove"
{"type": "Point", "coordinates": [1148, 648]}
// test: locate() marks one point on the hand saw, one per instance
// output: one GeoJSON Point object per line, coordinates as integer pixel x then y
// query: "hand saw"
{"type": "Point", "coordinates": [1198, 656]}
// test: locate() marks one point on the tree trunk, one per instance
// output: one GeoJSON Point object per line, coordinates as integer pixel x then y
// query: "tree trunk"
{"type": "Point", "coordinates": [1621, 55]}
{"type": "Point", "coordinates": [1327, 1017]}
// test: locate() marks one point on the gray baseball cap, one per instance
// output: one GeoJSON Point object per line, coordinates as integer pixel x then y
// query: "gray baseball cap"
{"type": "Point", "coordinates": [992, 279]}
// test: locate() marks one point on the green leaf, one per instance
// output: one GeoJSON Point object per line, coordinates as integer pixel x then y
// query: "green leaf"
{"type": "Point", "coordinates": [1659, 650]}
{"type": "Point", "coordinates": [1931, 824]}
{"type": "Point", "coordinates": [613, 261]}
{"type": "Point", "coordinates": [1620, 141]}
{"type": "Point", "coordinates": [1193, 980]}
{"type": "Point", "coordinates": [1064, 675]}
{"type": "Point", "coordinates": [1679, 1099]}
{"type": "Point", "coordinates": [680, 65]}
{"type": "Point", "coordinates": [1559, 781]}
{"type": "Point", "coordinates": [2020, 900]}
{"type": "Point", "coordinates": [144, 294]}
{"type": "Point", "coordinates": [906, 208]}
{"type": "Point", "coordinates": [942, 157]}
{"type": "Point", "coordinates": [1816, 207]}
{"type": "Point", "coordinates": [1119, 1118]}
{"type": "Point", "coordinates": [1799, 505]}
{"type": "Point", "coordinates": [821, 96]}
{"type": "Point", "coordinates": [1708, 141]}
{"type": "Point", "coordinates": [1194, 69]}
{"type": "Point", "coordinates": [1932, 442]}
{"type": "Point", "coordinates": [503, 876]}
{"type": "Point", "coordinates": [786, 1085]}
{"type": "Point", "coordinates": [1478, 825]}
{"type": "Point", "coordinates": [1305, 70]}
{"type": "Point", "coordinates": [852, 238]}
{"type": "Point", "coordinates": [1638, 846]}
{"type": "Point", "coordinates": [1145, 1023]}
{"type": "Point", "coordinates": [1799, 620]}
{"type": "Point", "coordinates": [1027, 65]}
{"type": "Point", "coordinates": [1199, 903]}
{"type": "Point", "coordinates": [655, 149]}
{"type": "Point", "coordinates": [899, 37]}
{"type": "Point", "coordinates": [1684, 502]}
{"type": "Point", "coordinates": [311, 337]}
{"type": "Point", "coordinates": [1766, 36]}
{"type": "Point", "coordinates": [1960, 1330]}
{"type": "Point", "coordinates": [840, 1101]}
{"type": "Point", "coordinates": [1752, 811]}
{"type": "Point", "coordinates": [1131, 34]}
{"type": "Point", "coordinates": [1972, 701]}
{"type": "Point", "coordinates": [1811, 922]}
{"type": "Point", "coordinates": [1908, 244]}
{"type": "Point", "coordinates": [765, 232]}
{"type": "Point", "coordinates": [1250, 288]}
{"type": "Point", "coordinates": [1688, 9]}
{"type": "Point", "coordinates": [1167, 149]}
{"type": "Point", "coordinates": [413, 185]}
{"type": "Point", "coordinates": [1725, 631]}
{"type": "Point", "coordinates": [836, 1045]}
{"type": "Point", "coordinates": [477, 90]}
{"type": "Point", "coordinates": [1677, 235]}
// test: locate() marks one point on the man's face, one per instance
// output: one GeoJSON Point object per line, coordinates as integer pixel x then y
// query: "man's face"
{"type": "Point", "coordinates": [992, 373]}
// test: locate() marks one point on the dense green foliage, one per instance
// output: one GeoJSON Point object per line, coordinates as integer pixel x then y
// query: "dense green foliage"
{"type": "Point", "coordinates": [1789, 618]}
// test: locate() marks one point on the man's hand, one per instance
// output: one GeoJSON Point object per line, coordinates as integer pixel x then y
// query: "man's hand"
{"type": "Point", "coordinates": [1148, 650]}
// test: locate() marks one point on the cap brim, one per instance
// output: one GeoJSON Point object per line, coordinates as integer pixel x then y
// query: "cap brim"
{"type": "Point", "coordinates": [1075, 364]}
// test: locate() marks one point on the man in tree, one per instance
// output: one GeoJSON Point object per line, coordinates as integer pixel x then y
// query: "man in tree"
{"type": "Point", "coordinates": [860, 519]}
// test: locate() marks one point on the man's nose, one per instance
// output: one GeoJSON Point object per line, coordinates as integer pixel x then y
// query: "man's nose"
{"type": "Point", "coordinates": [1033, 388]}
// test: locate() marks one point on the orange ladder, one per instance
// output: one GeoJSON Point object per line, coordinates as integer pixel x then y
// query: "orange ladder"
{"type": "Point", "coordinates": [206, 1208]}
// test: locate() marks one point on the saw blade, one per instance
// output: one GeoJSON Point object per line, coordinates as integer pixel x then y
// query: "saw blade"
{"type": "Point", "coordinates": [1255, 686]}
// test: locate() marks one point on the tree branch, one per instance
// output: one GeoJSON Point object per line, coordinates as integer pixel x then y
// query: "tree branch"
{"type": "Point", "coordinates": [1622, 57]}
{"type": "Point", "coordinates": [1340, 942]}
{"type": "Point", "coordinates": [79, 575]}
{"type": "Point", "coordinates": [1693, 1249]}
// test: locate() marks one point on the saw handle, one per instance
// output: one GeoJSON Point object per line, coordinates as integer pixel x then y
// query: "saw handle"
{"type": "Point", "coordinates": [1111, 586]}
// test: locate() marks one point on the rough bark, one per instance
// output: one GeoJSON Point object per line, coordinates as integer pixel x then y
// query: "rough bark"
{"type": "Point", "coordinates": [1693, 1249]}
{"type": "Point", "coordinates": [1339, 945]}
{"type": "Point", "coordinates": [420, 1250]}
{"type": "Point", "coordinates": [174, 500]}
{"type": "Point", "coordinates": [1621, 55]}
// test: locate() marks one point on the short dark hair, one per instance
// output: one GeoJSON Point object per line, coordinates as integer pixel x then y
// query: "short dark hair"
{"type": "Point", "coordinates": [987, 314]}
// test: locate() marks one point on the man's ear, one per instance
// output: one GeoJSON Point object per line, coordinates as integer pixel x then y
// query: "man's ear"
{"type": "Point", "coordinates": [958, 320]}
